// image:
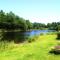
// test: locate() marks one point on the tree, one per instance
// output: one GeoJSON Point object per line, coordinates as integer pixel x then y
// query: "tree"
{"type": "Point", "coordinates": [29, 24]}
{"type": "Point", "coordinates": [2, 16]}
{"type": "Point", "coordinates": [58, 28]}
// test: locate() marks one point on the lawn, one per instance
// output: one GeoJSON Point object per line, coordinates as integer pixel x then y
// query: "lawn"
{"type": "Point", "coordinates": [37, 50]}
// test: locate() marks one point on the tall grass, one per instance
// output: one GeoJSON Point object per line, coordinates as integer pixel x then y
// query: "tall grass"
{"type": "Point", "coordinates": [33, 38]}
{"type": "Point", "coordinates": [5, 45]}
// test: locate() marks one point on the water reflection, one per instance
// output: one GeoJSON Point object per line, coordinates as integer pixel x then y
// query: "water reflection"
{"type": "Point", "coordinates": [18, 37]}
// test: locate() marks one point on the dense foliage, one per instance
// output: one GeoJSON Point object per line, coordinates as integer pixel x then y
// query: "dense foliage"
{"type": "Point", "coordinates": [58, 35]}
{"type": "Point", "coordinates": [10, 21]}
{"type": "Point", "coordinates": [54, 26]}
{"type": "Point", "coordinates": [39, 25]}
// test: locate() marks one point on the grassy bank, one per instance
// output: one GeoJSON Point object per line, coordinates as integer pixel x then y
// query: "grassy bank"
{"type": "Point", "coordinates": [37, 50]}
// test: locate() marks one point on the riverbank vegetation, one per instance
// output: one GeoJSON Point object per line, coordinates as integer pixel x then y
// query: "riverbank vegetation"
{"type": "Point", "coordinates": [37, 50]}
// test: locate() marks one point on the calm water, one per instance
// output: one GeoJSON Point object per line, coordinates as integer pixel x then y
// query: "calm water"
{"type": "Point", "coordinates": [21, 36]}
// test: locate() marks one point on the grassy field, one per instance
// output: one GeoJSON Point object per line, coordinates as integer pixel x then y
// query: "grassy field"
{"type": "Point", "coordinates": [37, 50]}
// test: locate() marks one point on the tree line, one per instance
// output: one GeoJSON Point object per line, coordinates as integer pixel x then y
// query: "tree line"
{"type": "Point", "coordinates": [54, 26]}
{"type": "Point", "coordinates": [10, 21]}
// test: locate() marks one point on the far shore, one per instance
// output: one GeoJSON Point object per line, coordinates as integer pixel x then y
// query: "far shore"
{"type": "Point", "coordinates": [18, 30]}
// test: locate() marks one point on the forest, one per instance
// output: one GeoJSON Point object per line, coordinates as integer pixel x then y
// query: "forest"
{"type": "Point", "coordinates": [10, 21]}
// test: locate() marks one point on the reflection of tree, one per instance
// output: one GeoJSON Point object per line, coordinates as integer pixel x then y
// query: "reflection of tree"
{"type": "Point", "coordinates": [7, 36]}
{"type": "Point", "coordinates": [17, 37]}
{"type": "Point", "coordinates": [1, 36]}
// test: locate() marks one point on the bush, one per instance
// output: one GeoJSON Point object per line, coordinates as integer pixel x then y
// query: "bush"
{"type": "Point", "coordinates": [31, 39]}
{"type": "Point", "coordinates": [41, 33]}
{"type": "Point", "coordinates": [58, 35]}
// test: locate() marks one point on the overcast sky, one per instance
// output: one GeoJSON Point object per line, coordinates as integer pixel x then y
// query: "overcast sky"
{"type": "Point", "coordinates": [43, 11]}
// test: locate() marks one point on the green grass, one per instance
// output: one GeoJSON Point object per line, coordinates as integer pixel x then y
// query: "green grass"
{"type": "Point", "coordinates": [37, 50]}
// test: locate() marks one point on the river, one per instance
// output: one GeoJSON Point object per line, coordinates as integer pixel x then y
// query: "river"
{"type": "Point", "coordinates": [21, 36]}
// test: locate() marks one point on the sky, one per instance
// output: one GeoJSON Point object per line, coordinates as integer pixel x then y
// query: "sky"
{"type": "Point", "coordinates": [42, 11]}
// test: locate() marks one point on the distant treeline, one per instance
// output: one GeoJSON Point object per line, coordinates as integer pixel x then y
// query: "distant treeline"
{"type": "Point", "coordinates": [54, 26]}
{"type": "Point", "coordinates": [10, 21]}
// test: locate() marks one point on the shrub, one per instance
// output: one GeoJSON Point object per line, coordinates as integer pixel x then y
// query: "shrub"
{"type": "Point", "coordinates": [31, 39]}
{"type": "Point", "coordinates": [58, 35]}
{"type": "Point", "coordinates": [41, 33]}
